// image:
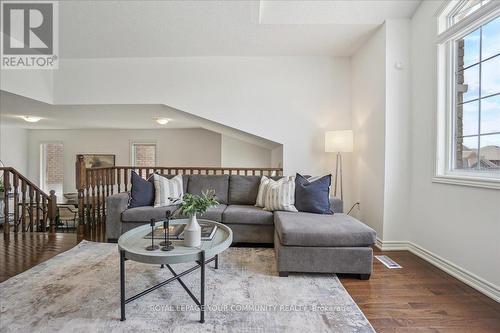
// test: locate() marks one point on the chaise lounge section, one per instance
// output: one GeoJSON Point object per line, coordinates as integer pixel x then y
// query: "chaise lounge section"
{"type": "Point", "coordinates": [304, 242]}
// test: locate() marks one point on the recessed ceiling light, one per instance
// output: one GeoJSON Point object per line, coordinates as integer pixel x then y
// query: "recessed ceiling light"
{"type": "Point", "coordinates": [31, 119]}
{"type": "Point", "coordinates": [162, 121]}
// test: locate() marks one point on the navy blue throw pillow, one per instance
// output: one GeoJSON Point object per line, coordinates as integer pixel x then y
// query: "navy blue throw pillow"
{"type": "Point", "coordinates": [313, 197]}
{"type": "Point", "coordinates": [142, 192]}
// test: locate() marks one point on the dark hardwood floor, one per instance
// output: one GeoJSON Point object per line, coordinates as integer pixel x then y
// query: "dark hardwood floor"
{"type": "Point", "coordinates": [25, 250]}
{"type": "Point", "coordinates": [421, 298]}
{"type": "Point", "coordinates": [416, 298]}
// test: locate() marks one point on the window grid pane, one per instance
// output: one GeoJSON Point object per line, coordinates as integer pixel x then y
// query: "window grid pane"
{"type": "Point", "coordinates": [477, 131]}
{"type": "Point", "coordinates": [144, 155]}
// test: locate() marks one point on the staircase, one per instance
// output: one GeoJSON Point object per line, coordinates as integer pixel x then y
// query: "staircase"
{"type": "Point", "coordinates": [25, 207]}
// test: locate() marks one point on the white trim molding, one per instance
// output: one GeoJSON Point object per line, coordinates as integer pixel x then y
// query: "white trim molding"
{"type": "Point", "coordinates": [487, 288]}
{"type": "Point", "coordinates": [493, 184]}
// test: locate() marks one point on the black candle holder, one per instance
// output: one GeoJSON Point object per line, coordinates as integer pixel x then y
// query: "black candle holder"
{"type": "Point", "coordinates": [152, 247]}
{"type": "Point", "coordinates": [167, 244]}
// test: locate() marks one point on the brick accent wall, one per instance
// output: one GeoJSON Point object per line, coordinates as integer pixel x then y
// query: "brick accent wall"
{"type": "Point", "coordinates": [145, 154]}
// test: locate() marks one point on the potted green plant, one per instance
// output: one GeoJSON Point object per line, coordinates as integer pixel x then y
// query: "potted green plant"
{"type": "Point", "coordinates": [191, 206]}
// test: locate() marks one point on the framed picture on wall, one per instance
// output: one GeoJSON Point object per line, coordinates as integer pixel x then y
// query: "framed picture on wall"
{"type": "Point", "coordinates": [99, 160]}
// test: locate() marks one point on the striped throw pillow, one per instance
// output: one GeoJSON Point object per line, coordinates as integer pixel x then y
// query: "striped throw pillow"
{"type": "Point", "coordinates": [168, 191]}
{"type": "Point", "coordinates": [261, 194]}
{"type": "Point", "coordinates": [280, 195]}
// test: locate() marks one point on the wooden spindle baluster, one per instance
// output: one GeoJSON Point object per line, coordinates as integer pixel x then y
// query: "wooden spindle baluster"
{"type": "Point", "coordinates": [125, 179]}
{"type": "Point", "coordinates": [110, 180]}
{"type": "Point", "coordinates": [92, 187]}
{"type": "Point", "coordinates": [52, 211]}
{"type": "Point", "coordinates": [6, 184]}
{"type": "Point", "coordinates": [45, 214]}
{"type": "Point", "coordinates": [115, 184]}
{"type": "Point", "coordinates": [15, 184]}
{"type": "Point", "coordinates": [23, 205]}
{"type": "Point", "coordinates": [106, 179]}
{"type": "Point", "coordinates": [31, 208]}
{"type": "Point", "coordinates": [87, 205]}
{"type": "Point", "coordinates": [105, 194]}
{"type": "Point", "coordinates": [37, 200]}
{"type": "Point", "coordinates": [118, 176]}
{"type": "Point", "coordinates": [98, 195]}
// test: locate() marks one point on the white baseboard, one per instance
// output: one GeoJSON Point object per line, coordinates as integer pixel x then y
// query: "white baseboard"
{"type": "Point", "coordinates": [487, 288]}
{"type": "Point", "coordinates": [391, 245]}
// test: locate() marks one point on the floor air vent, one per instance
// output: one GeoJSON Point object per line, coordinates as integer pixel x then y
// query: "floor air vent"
{"type": "Point", "coordinates": [388, 262]}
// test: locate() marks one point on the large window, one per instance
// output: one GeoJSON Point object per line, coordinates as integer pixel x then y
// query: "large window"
{"type": "Point", "coordinates": [478, 99]}
{"type": "Point", "coordinates": [52, 167]}
{"type": "Point", "coordinates": [469, 93]}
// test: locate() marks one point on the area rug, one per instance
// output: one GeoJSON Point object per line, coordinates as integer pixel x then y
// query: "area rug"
{"type": "Point", "coordinates": [78, 291]}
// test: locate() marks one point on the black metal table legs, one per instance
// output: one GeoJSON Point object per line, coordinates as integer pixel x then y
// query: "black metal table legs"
{"type": "Point", "coordinates": [201, 264]}
{"type": "Point", "coordinates": [202, 289]}
{"type": "Point", "coordinates": [122, 285]}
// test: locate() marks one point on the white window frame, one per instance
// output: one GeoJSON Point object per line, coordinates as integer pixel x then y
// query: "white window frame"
{"type": "Point", "coordinates": [149, 142]}
{"type": "Point", "coordinates": [447, 35]}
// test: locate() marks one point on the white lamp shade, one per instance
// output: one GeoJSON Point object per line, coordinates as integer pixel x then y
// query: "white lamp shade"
{"type": "Point", "coordinates": [339, 141]}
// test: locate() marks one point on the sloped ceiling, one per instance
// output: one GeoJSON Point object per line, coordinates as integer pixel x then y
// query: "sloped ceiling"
{"type": "Point", "coordinates": [110, 116]}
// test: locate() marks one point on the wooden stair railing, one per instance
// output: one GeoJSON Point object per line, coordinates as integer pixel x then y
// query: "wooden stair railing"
{"type": "Point", "coordinates": [94, 185]}
{"type": "Point", "coordinates": [33, 209]}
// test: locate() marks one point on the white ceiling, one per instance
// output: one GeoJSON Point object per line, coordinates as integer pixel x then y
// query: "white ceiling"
{"type": "Point", "coordinates": [111, 116]}
{"type": "Point", "coordinates": [105, 29]}
{"type": "Point", "coordinates": [113, 29]}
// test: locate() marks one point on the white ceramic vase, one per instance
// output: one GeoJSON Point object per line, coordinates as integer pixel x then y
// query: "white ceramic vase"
{"type": "Point", "coordinates": [192, 232]}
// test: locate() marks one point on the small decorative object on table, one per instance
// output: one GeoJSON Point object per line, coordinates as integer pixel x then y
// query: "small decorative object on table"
{"type": "Point", "coordinates": [152, 247]}
{"type": "Point", "coordinates": [167, 244]}
{"type": "Point", "coordinates": [190, 206]}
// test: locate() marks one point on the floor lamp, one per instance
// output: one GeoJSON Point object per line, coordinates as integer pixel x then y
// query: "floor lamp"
{"type": "Point", "coordinates": [338, 142]}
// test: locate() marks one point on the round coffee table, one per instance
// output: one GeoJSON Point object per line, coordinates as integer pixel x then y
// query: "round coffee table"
{"type": "Point", "coordinates": [132, 246]}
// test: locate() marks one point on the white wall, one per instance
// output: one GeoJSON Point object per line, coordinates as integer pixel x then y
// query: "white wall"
{"type": "Point", "coordinates": [397, 129]}
{"type": "Point", "coordinates": [176, 147]}
{"type": "Point", "coordinates": [290, 100]}
{"type": "Point", "coordinates": [238, 153]}
{"type": "Point", "coordinates": [33, 83]}
{"type": "Point", "coordinates": [277, 157]}
{"type": "Point", "coordinates": [460, 224]}
{"type": "Point", "coordinates": [14, 147]}
{"type": "Point", "coordinates": [368, 114]}
{"type": "Point", "coordinates": [381, 122]}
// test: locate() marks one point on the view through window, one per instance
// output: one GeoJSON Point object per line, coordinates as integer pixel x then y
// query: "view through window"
{"type": "Point", "coordinates": [477, 110]}
{"type": "Point", "coordinates": [52, 167]}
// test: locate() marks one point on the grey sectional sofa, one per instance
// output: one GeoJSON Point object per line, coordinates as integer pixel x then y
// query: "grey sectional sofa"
{"type": "Point", "coordinates": [304, 242]}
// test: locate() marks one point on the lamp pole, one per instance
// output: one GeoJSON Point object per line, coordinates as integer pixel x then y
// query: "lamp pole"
{"type": "Point", "coordinates": [338, 176]}
{"type": "Point", "coordinates": [338, 142]}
